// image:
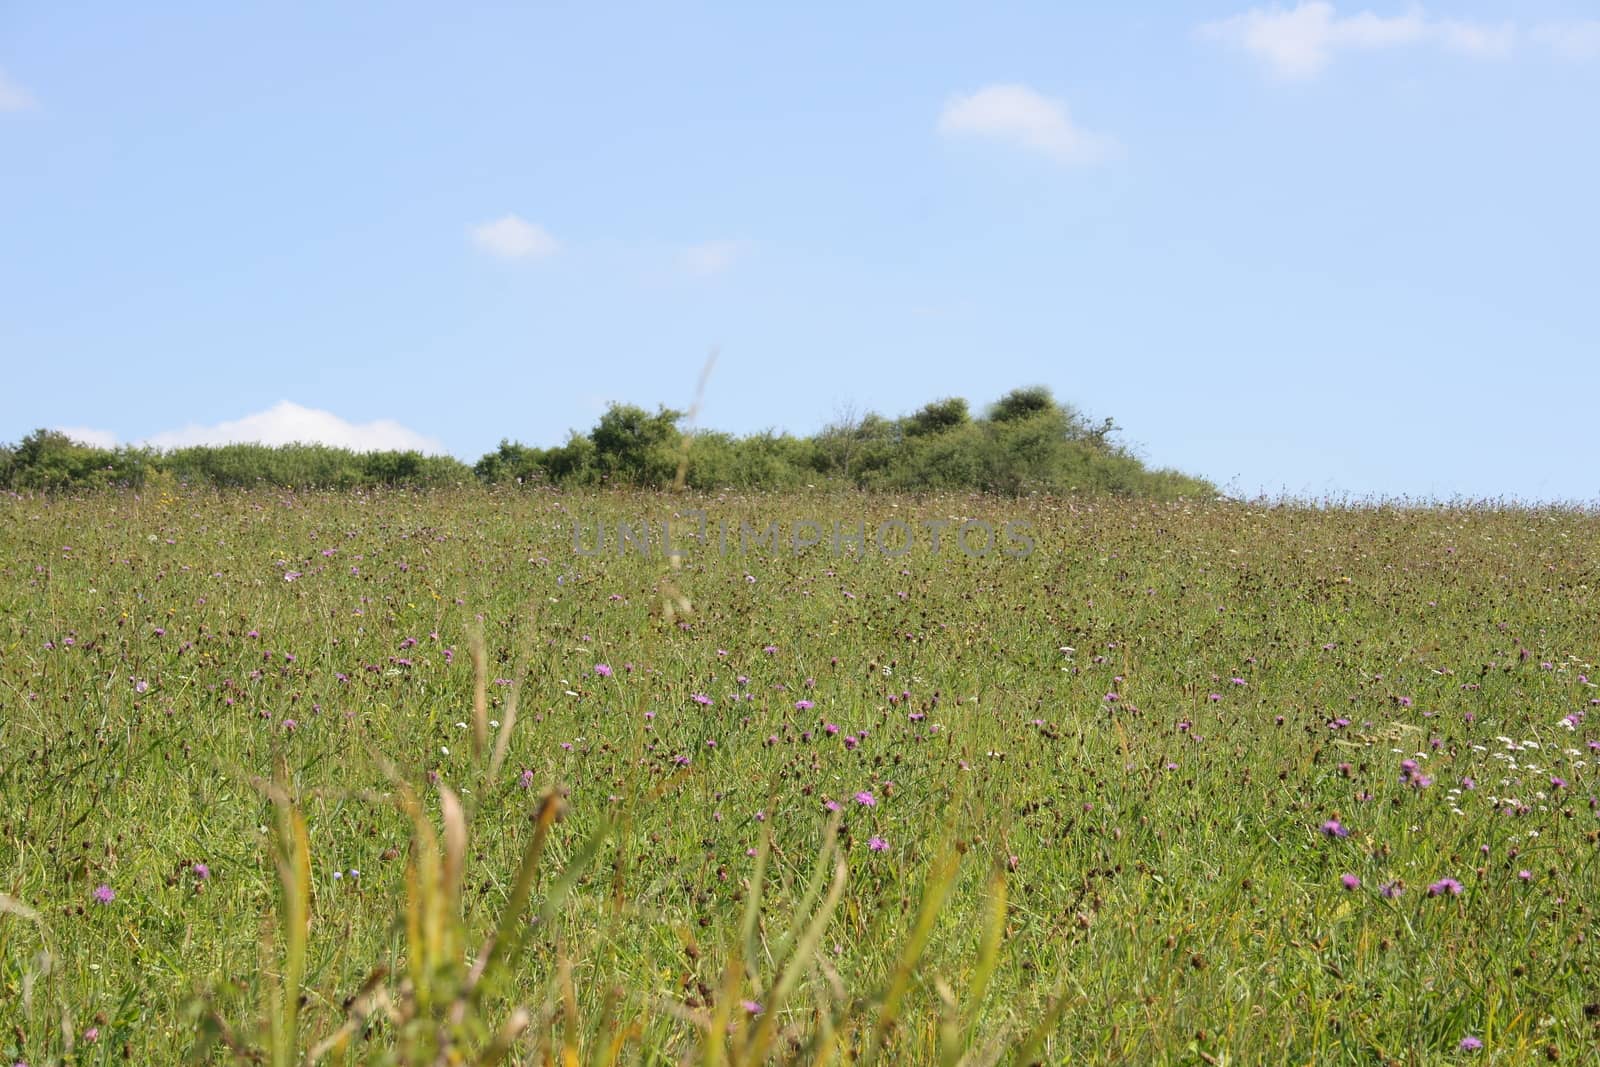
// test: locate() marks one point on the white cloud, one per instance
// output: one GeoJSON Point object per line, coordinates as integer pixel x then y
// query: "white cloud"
{"type": "Point", "coordinates": [1302, 41]}
{"type": "Point", "coordinates": [711, 257]}
{"type": "Point", "coordinates": [1570, 40]}
{"type": "Point", "coordinates": [287, 423]}
{"type": "Point", "coordinates": [512, 237]}
{"type": "Point", "coordinates": [1018, 114]}
{"type": "Point", "coordinates": [1474, 39]}
{"type": "Point", "coordinates": [84, 435]}
{"type": "Point", "coordinates": [13, 97]}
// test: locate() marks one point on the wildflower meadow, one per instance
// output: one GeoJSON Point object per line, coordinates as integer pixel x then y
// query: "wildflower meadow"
{"type": "Point", "coordinates": [427, 777]}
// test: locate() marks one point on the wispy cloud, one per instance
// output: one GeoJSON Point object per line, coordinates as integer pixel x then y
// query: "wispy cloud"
{"type": "Point", "coordinates": [14, 97]}
{"type": "Point", "coordinates": [1570, 40]}
{"type": "Point", "coordinates": [513, 237]}
{"type": "Point", "coordinates": [1021, 116]}
{"type": "Point", "coordinates": [711, 257]}
{"type": "Point", "coordinates": [1300, 42]}
{"type": "Point", "coordinates": [289, 423]}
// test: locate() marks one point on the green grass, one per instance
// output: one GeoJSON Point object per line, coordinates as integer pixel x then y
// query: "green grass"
{"type": "Point", "coordinates": [1146, 875]}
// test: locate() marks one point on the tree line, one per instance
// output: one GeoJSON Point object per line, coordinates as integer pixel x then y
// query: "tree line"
{"type": "Point", "coordinates": [1026, 441]}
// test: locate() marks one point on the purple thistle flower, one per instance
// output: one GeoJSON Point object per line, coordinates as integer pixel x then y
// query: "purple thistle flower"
{"type": "Point", "coordinates": [866, 799]}
{"type": "Point", "coordinates": [1470, 1044]}
{"type": "Point", "coordinates": [1443, 886]}
{"type": "Point", "coordinates": [602, 670]}
{"type": "Point", "coordinates": [1334, 828]}
{"type": "Point", "coordinates": [104, 894]}
{"type": "Point", "coordinates": [1350, 882]}
{"type": "Point", "coordinates": [201, 871]}
{"type": "Point", "coordinates": [1391, 890]}
{"type": "Point", "coordinates": [803, 705]}
{"type": "Point", "coordinates": [878, 844]}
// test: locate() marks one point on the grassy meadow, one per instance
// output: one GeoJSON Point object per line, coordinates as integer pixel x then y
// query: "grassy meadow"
{"type": "Point", "coordinates": [1185, 783]}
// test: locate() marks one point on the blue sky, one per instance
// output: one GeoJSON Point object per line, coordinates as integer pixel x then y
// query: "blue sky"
{"type": "Point", "coordinates": [1320, 249]}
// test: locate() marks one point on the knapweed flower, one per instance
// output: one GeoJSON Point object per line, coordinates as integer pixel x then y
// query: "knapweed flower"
{"type": "Point", "coordinates": [1350, 882]}
{"type": "Point", "coordinates": [878, 844]}
{"type": "Point", "coordinates": [1391, 890]}
{"type": "Point", "coordinates": [803, 705]}
{"type": "Point", "coordinates": [602, 670]}
{"type": "Point", "coordinates": [1469, 1044]}
{"type": "Point", "coordinates": [866, 799]}
{"type": "Point", "coordinates": [700, 698]}
{"type": "Point", "coordinates": [1334, 828]}
{"type": "Point", "coordinates": [104, 894]}
{"type": "Point", "coordinates": [201, 871]}
{"type": "Point", "coordinates": [1443, 886]}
